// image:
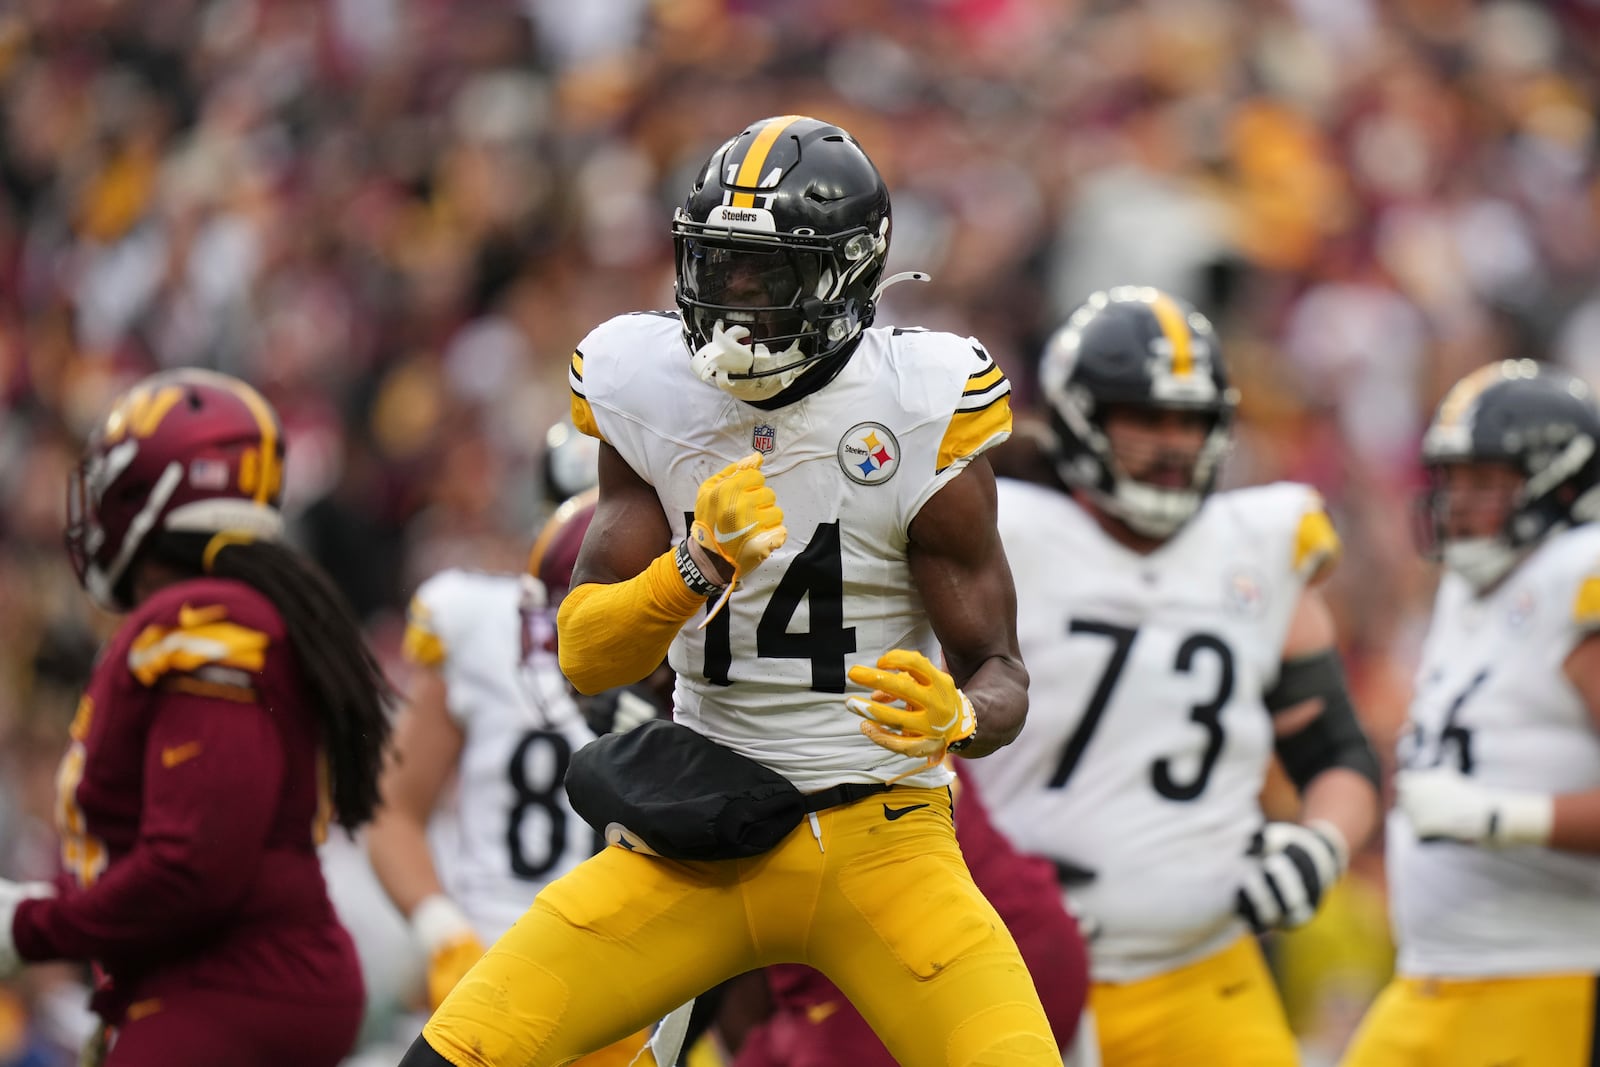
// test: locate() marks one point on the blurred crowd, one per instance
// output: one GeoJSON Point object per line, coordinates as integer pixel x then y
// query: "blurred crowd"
{"type": "Point", "coordinates": [398, 217]}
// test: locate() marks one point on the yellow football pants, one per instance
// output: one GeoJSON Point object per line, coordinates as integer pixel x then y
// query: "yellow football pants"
{"type": "Point", "coordinates": [625, 1053]}
{"type": "Point", "coordinates": [883, 906]}
{"type": "Point", "coordinates": [1545, 1021]}
{"type": "Point", "coordinates": [1221, 1011]}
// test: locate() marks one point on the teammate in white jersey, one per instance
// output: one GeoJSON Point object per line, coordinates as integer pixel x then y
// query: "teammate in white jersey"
{"type": "Point", "coordinates": [1494, 844]}
{"type": "Point", "coordinates": [1175, 638]}
{"type": "Point", "coordinates": [490, 717]}
{"type": "Point", "coordinates": [766, 442]}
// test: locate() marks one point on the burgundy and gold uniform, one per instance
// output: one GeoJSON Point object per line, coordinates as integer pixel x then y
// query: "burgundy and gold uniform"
{"type": "Point", "coordinates": [232, 708]}
{"type": "Point", "coordinates": [190, 804]}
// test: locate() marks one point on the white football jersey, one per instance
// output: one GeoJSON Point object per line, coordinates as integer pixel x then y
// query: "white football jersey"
{"type": "Point", "coordinates": [851, 465]}
{"type": "Point", "coordinates": [1492, 701]}
{"type": "Point", "coordinates": [514, 829]}
{"type": "Point", "coordinates": [1147, 741]}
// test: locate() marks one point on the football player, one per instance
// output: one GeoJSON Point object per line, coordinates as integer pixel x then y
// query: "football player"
{"type": "Point", "coordinates": [1494, 843]}
{"type": "Point", "coordinates": [489, 708]}
{"type": "Point", "coordinates": [815, 491]}
{"type": "Point", "coordinates": [1176, 640]}
{"type": "Point", "coordinates": [234, 714]}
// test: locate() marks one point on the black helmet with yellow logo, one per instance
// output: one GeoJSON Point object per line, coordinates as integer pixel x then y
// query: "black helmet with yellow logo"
{"type": "Point", "coordinates": [1535, 418]}
{"type": "Point", "coordinates": [1135, 347]}
{"type": "Point", "coordinates": [785, 233]}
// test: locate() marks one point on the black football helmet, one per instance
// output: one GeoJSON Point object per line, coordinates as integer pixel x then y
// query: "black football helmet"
{"type": "Point", "coordinates": [1135, 347]}
{"type": "Point", "coordinates": [784, 234]}
{"type": "Point", "coordinates": [1536, 418]}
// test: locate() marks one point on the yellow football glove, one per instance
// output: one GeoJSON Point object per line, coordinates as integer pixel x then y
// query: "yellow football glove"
{"type": "Point", "coordinates": [450, 943]}
{"type": "Point", "coordinates": [737, 520]}
{"type": "Point", "coordinates": [935, 716]}
{"type": "Point", "coordinates": [448, 965]}
{"type": "Point", "coordinates": [737, 517]}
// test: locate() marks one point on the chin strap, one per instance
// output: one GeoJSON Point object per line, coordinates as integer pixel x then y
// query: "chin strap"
{"type": "Point", "coordinates": [896, 279]}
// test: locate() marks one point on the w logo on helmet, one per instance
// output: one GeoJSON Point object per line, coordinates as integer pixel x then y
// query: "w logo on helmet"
{"type": "Point", "coordinates": [141, 411]}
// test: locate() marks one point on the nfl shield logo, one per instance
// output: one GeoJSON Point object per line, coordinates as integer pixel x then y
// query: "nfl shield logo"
{"type": "Point", "coordinates": [763, 439]}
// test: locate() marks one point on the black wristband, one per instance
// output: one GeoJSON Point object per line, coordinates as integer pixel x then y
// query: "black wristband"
{"type": "Point", "coordinates": [692, 575]}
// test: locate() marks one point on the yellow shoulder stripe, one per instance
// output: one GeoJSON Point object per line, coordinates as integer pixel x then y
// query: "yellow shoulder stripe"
{"type": "Point", "coordinates": [977, 383]}
{"type": "Point", "coordinates": [970, 432]}
{"type": "Point", "coordinates": [202, 637]}
{"type": "Point", "coordinates": [582, 413]}
{"type": "Point", "coordinates": [583, 417]}
{"type": "Point", "coordinates": [79, 730]}
{"type": "Point", "coordinates": [1586, 605]}
{"type": "Point", "coordinates": [1316, 544]}
{"type": "Point", "coordinates": [421, 645]}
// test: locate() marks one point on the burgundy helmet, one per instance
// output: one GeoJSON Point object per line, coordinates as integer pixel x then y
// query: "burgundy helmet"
{"type": "Point", "coordinates": [184, 450]}
{"type": "Point", "coordinates": [555, 550]}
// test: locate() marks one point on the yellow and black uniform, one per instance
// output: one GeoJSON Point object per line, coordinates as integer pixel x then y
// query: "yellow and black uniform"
{"type": "Point", "coordinates": [1498, 946]}
{"type": "Point", "coordinates": [874, 894]}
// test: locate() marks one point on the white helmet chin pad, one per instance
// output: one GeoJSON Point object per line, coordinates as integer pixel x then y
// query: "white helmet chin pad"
{"type": "Point", "coordinates": [724, 355]}
{"type": "Point", "coordinates": [1149, 510]}
{"type": "Point", "coordinates": [1481, 561]}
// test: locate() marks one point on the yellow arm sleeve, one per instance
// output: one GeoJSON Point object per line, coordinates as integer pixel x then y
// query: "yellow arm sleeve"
{"type": "Point", "coordinates": [611, 635]}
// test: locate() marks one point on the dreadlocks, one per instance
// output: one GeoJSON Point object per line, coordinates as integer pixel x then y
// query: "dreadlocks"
{"type": "Point", "coordinates": [347, 687]}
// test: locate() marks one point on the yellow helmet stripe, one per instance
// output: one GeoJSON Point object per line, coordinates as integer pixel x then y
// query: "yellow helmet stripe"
{"type": "Point", "coordinates": [1453, 409]}
{"type": "Point", "coordinates": [756, 158]}
{"type": "Point", "coordinates": [1170, 316]}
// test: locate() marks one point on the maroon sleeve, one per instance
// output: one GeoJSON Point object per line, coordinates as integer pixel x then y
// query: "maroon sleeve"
{"type": "Point", "coordinates": [1024, 891]}
{"type": "Point", "coordinates": [213, 770]}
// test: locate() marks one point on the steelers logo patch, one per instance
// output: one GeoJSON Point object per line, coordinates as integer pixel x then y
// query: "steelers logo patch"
{"type": "Point", "coordinates": [1244, 592]}
{"type": "Point", "coordinates": [869, 453]}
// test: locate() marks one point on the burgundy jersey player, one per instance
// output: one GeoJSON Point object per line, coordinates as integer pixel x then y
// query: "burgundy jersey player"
{"type": "Point", "coordinates": [233, 716]}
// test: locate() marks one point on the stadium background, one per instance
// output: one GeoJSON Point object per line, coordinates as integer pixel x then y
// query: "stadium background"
{"type": "Point", "coordinates": [397, 217]}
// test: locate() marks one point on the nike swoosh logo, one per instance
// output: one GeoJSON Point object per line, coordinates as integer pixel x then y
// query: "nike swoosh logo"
{"type": "Point", "coordinates": [171, 757]}
{"type": "Point", "coordinates": [728, 535]}
{"type": "Point", "coordinates": [894, 813]}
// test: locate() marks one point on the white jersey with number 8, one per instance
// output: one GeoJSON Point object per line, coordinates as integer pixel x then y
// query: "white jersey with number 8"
{"type": "Point", "coordinates": [513, 829]}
